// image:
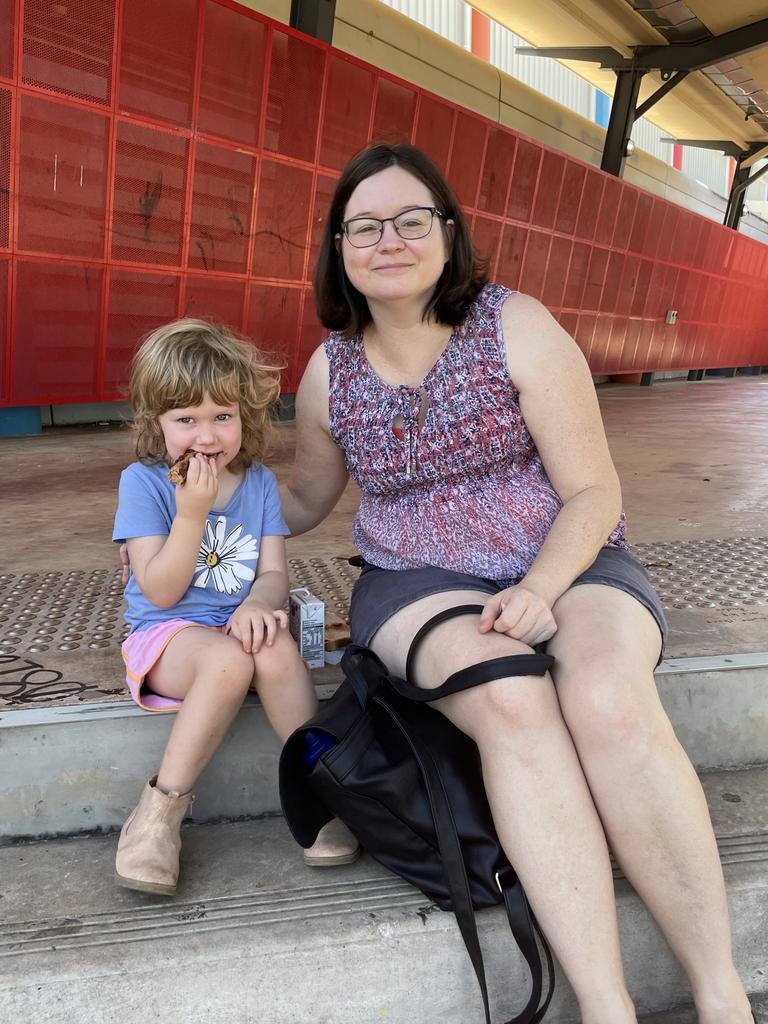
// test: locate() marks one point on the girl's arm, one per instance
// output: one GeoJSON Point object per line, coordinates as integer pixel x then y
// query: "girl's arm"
{"type": "Point", "coordinates": [260, 615]}
{"type": "Point", "coordinates": [559, 404]}
{"type": "Point", "coordinates": [319, 473]}
{"type": "Point", "coordinates": [164, 566]}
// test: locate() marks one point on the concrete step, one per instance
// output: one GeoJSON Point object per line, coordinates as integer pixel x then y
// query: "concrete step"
{"type": "Point", "coordinates": [79, 767]}
{"type": "Point", "coordinates": [253, 935]}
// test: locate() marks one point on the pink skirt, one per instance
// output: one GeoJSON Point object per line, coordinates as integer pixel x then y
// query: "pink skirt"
{"type": "Point", "coordinates": [141, 652]}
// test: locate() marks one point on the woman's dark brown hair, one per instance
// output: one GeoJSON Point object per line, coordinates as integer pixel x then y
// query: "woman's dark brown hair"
{"type": "Point", "coordinates": [340, 306]}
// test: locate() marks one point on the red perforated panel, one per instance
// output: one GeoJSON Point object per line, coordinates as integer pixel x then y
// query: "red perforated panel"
{"type": "Point", "coordinates": [215, 298]}
{"type": "Point", "coordinates": [293, 101]}
{"type": "Point", "coordinates": [219, 161]}
{"type": "Point", "coordinates": [5, 166]}
{"type": "Point", "coordinates": [62, 179]}
{"type": "Point", "coordinates": [231, 80]}
{"type": "Point", "coordinates": [55, 347]}
{"type": "Point", "coordinates": [221, 209]}
{"type": "Point", "coordinates": [157, 58]}
{"type": "Point", "coordinates": [524, 172]}
{"type": "Point", "coordinates": [273, 323]}
{"type": "Point", "coordinates": [7, 35]}
{"type": "Point", "coordinates": [280, 241]}
{"type": "Point", "coordinates": [347, 111]}
{"type": "Point", "coordinates": [67, 47]}
{"type": "Point", "coordinates": [5, 277]}
{"type": "Point", "coordinates": [434, 129]}
{"type": "Point", "coordinates": [150, 177]}
{"type": "Point", "coordinates": [466, 162]}
{"type": "Point", "coordinates": [394, 111]}
{"type": "Point", "coordinates": [137, 304]}
{"type": "Point", "coordinates": [496, 178]}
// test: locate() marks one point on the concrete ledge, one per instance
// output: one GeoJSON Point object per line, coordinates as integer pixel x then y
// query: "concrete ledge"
{"type": "Point", "coordinates": [254, 935]}
{"type": "Point", "coordinates": [78, 768]}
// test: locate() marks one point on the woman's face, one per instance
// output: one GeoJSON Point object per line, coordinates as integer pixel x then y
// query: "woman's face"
{"type": "Point", "coordinates": [394, 268]}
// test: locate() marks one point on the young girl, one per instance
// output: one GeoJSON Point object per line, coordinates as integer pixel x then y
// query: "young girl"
{"type": "Point", "coordinates": [208, 578]}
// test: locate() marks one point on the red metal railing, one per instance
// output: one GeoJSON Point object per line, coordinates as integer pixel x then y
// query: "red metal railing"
{"type": "Point", "coordinates": [164, 159]}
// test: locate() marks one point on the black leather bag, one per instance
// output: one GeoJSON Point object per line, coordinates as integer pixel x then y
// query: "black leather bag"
{"type": "Point", "coordinates": [409, 785]}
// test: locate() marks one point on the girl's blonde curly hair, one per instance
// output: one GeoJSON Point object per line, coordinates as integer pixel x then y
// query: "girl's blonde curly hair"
{"type": "Point", "coordinates": [181, 363]}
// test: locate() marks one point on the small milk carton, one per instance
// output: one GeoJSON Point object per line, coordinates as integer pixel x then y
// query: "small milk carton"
{"type": "Point", "coordinates": [307, 614]}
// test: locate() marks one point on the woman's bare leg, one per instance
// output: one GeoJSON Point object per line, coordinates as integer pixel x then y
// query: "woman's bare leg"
{"type": "Point", "coordinates": [647, 794]}
{"type": "Point", "coordinates": [541, 804]}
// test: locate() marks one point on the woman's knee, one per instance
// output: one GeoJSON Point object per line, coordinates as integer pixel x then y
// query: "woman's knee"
{"type": "Point", "coordinates": [612, 706]}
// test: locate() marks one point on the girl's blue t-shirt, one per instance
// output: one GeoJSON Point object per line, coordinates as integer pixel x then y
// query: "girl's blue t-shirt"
{"type": "Point", "coordinates": [229, 552]}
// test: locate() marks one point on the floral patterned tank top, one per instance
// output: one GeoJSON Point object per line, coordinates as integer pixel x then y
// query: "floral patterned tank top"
{"type": "Point", "coordinates": [449, 474]}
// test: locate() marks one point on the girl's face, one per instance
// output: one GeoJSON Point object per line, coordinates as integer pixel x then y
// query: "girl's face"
{"type": "Point", "coordinates": [394, 269]}
{"type": "Point", "coordinates": [211, 429]}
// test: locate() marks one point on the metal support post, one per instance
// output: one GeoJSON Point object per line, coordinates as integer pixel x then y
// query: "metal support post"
{"type": "Point", "coordinates": [622, 119]}
{"type": "Point", "coordinates": [314, 18]}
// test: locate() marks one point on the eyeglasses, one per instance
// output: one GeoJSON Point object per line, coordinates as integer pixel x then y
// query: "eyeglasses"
{"type": "Point", "coordinates": [364, 231]}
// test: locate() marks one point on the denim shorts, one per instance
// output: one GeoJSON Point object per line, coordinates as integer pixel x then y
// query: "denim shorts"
{"type": "Point", "coordinates": [379, 593]}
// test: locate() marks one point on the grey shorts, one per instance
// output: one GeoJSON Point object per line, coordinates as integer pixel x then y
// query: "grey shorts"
{"type": "Point", "coordinates": [379, 593]}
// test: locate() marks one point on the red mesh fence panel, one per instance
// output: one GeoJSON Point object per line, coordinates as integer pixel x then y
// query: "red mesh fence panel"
{"type": "Point", "coordinates": [434, 129]}
{"type": "Point", "coordinates": [466, 162]}
{"type": "Point", "coordinates": [150, 178]}
{"type": "Point", "coordinates": [157, 58]}
{"type": "Point", "coordinates": [293, 100]}
{"type": "Point", "coordinates": [138, 303]}
{"type": "Point", "coordinates": [235, 203]}
{"type": "Point", "coordinates": [525, 172]}
{"type": "Point", "coordinates": [7, 36]}
{"type": "Point", "coordinates": [5, 278]}
{"type": "Point", "coordinates": [5, 167]}
{"type": "Point", "coordinates": [220, 230]}
{"type": "Point", "coordinates": [324, 189]}
{"type": "Point", "coordinates": [347, 111]}
{"type": "Point", "coordinates": [62, 179]}
{"type": "Point", "coordinates": [394, 112]}
{"type": "Point", "coordinates": [496, 178]}
{"type": "Point", "coordinates": [67, 47]}
{"type": "Point", "coordinates": [215, 298]}
{"type": "Point", "coordinates": [273, 323]}
{"type": "Point", "coordinates": [232, 75]}
{"type": "Point", "coordinates": [56, 341]}
{"type": "Point", "coordinates": [280, 242]}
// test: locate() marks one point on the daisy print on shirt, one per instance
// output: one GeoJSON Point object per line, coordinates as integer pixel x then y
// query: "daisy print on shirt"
{"type": "Point", "coordinates": [222, 557]}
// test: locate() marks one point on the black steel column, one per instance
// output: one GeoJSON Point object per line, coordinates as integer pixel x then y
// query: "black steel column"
{"type": "Point", "coordinates": [738, 193]}
{"type": "Point", "coordinates": [314, 18]}
{"type": "Point", "coordinates": [621, 120]}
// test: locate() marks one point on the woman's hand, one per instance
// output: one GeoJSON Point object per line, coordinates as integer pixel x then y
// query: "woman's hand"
{"type": "Point", "coordinates": [519, 613]}
{"type": "Point", "coordinates": [254, 624]}
{"type": "Point", "coordinates": [196, 497]}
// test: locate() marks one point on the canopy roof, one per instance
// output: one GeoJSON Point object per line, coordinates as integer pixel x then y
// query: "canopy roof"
{"type": "Point", "coordinates": [724, 100]}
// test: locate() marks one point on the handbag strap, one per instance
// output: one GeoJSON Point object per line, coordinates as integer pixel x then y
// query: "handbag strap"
{"type": "Point", "coordinates": [474, 675]}
{"type": "Point", "coordinates": [521, 921]}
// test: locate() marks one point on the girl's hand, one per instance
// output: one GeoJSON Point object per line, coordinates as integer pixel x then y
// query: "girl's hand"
{"type": "Point", "coordinates": [520, 614]}
{"type": "Point", "coordinates": [255, 624]}
{"type": "Point", "coordinates": [196, 497]}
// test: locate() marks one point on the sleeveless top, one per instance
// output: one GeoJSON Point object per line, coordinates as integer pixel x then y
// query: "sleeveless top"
{"type": "Point", "coordinates": [449, 474]}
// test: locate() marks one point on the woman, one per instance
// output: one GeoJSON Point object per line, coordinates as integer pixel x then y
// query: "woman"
{"type": "Point", "coordinates": [469, 420]}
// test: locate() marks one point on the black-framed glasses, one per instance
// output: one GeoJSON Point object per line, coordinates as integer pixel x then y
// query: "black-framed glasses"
{"type": "Point", "coordinates": [364, 231]}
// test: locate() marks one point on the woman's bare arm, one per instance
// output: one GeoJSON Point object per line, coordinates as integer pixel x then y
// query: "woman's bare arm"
{"type": "Point", "coordinates": [319, 473]}
{"type": "Point", "coordinates": [559, 404]}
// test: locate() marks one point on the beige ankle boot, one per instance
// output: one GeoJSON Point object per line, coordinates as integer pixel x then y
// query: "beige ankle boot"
{"type": "Point", "coordinates": [148, 850]}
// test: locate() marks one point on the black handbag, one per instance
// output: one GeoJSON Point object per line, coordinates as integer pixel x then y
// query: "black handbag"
{"type": "Point", "coordinates": [409, 785]}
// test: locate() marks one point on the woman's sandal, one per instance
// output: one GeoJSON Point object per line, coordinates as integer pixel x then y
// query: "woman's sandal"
{"type": "Point", "coordinates": [335, 845]}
